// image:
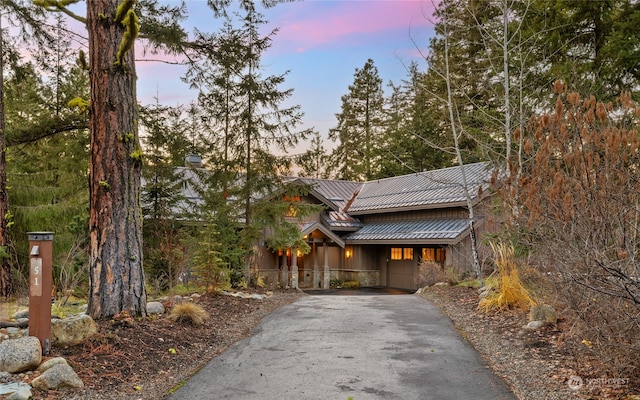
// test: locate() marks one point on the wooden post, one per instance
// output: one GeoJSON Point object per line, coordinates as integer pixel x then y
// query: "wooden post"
{"type": "Point", "coordinates": [40, 285]}
{"type": "Point", "coordinates": [316, 269]}
{"type": "Point", "coordinates": [284, 271]}
{"type": "Point", "coordinates": [327, 276]}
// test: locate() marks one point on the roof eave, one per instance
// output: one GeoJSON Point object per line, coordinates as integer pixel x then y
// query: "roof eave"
{"type": "Point", "coordinates": [412, 208]}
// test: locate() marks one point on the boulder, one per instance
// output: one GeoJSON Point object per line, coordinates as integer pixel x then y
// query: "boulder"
{"type": "Point", "coordinates": [155, 307]}
{"type": "Point", "coordinates": [72, 330]}
{"type": "Point", "coordinates": [543, 313]}
{"type": "Point", "coordinates": [21, 354]}
{"type": "Point", "coordinates": [60, 376]}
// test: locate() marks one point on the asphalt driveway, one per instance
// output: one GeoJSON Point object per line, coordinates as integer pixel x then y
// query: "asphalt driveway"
{"type": "Point", "coordinates": [330, 347]}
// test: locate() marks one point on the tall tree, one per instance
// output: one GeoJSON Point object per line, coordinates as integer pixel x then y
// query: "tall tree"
{"type": "Point", "coordinates": [29, 22]}
{"type": "Point", "coordinates": [163, 202]}
{"type": "Point", "coordinates": [412, 140]}
{"type": "Point", "coordinates": [314, 163]}
{"type": "Point", "coordinates": [115, 218]}
{"type": "Point", "coordinates": [52, 170]}
{"type": "Point", "coordinates": [246, 108]}
{"type": "Point", "coordinates": [587, 44]}
{"type": "Point", "coordinates": [455, 133]}
{"type": "Point", "coordinates": [359, 126]}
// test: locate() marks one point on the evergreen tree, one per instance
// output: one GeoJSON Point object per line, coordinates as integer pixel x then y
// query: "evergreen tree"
{"type": "Point", "coordinates": [164, 205]}
{"type": "Point", "coordinates": [314, 162]}
{"type": "Point", "coordinates": [360, 122]}
{"type": "Point", "coordinates": [244, 109]}
{"type": "Point", "coordinates": [412, 142]}
{"type": "Point", "coordinates": [587, 44]}
{"type": "Point", "coordinates": [116, 272]}
{"type": "Point", "coordinates": [29, 22]}
{"type": "Point", "coordinates": [474, 68]}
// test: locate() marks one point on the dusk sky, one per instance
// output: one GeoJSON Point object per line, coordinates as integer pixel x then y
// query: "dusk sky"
{"type": "Point", "coordinates": [321, 43]}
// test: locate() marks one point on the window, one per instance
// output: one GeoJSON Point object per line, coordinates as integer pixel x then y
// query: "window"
{"type": "Point", "coordinates": [399, 253]}
{"type": "Point", "coordinates": [434, 254]}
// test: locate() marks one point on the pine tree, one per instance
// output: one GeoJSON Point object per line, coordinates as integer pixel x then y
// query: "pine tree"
{"type": "Point", "coordinates": [51, 171]}
{"type": "Point", "coordinates": [29, 22]}
{"type": "Point", "coordinates": [412, 141]}
{"type": "Point", "coordinates": [244, 110]}
{"type": "Point", "coordinates": [314, 163]}
{"type": "Point", "coordinates": [360, 122]}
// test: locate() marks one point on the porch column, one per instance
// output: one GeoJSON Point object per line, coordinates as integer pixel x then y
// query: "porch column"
{"type": "Point", "coordinates": [294, 267]}
{"type": "Point", "coordinates": [316, 269]}
{"type": "Point", "coordinates": [327, 276]}
{"type": "Point", "coordinates": [284, 270]}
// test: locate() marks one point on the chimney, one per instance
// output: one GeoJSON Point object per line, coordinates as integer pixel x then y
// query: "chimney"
{"type": "Point", "coordinates": [193, 160]}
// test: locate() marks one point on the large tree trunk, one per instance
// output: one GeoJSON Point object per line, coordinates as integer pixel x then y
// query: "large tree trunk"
{"type": "Point", "coordinates": [116, 273]}
{"type": "Point", "coordinates": [6, 279]}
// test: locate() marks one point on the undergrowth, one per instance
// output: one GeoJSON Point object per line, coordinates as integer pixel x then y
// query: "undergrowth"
{"type": "Point", "coordinates": [508, 291]}
{"type": "Point", "coordinates": [188, 312]}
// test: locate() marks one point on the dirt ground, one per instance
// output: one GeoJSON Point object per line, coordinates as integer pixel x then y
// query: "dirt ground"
{"type": "Point", "coordinates": [146, 358]}
{"type": "Point", "coordinates": [545, 364]}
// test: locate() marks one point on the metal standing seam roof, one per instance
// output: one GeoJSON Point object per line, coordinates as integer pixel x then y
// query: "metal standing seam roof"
{"type": "Point", "coordinates": [421, 190]}
{"type": "Point", "coordinates": [340, 221]}
{"type": "Point", "coordinates": [338, 193]}
{"type": "Point", "coordinates": [446, 231]}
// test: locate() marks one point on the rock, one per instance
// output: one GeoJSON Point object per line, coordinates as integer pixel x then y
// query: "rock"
{"type": "Point", "coordinates": [195, 296]}
{"type": "Point", "coordinates": [22, 394]}
{"type": "Point", "coordinates": [533, 325]}
{"type": "Point", "coordinates": [21, 354]}
{"type": "Point", "coordinates": [16, 391]}
{"type": "Point", "coordinates": [21, 314]}
{"type": "Point", "coordinates": [257, 296]}
{"type": "Point", "coordinates": [14, 333]}
{"type": "Point", "coordinates": [441, 284]}
{"type": "Point", "coordinates": [543, 313]}
{"type": "Point", "coordinates": [72, 330]}
{"type": "Point", "coordinates": [5, 377]}
{"type": "Point", "coordinates": [51, 362]}
{"type": "Point", "coordinates": [59, 376]}
{"type": "Point", "coordinates": [155, 307]}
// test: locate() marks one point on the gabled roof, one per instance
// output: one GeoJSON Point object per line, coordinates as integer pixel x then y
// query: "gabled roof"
{"type": "Point", "coordinates": [433, 231]}
{"type": "Point", "coordinates": [431, 189]}
{"type": "Point", "coordinates": [309, 227]}
{"type": "Point", "coordinates": [334, 194]}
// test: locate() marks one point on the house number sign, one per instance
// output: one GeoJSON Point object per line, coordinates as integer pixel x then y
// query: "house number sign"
{"type": "Point", "coordinates": [36, 277]}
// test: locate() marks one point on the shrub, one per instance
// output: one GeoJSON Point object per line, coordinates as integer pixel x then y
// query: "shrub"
{"type": "Point", "coordinates": [188, 312]}
{"type": "Point", "coordinates": [351, 285]}
{"type": "Point", "coordinates": [430, 273]}
{"type": "Point", "coordinates": [510, 292]}
{"type": "Point", "coordinates": [335, 283]}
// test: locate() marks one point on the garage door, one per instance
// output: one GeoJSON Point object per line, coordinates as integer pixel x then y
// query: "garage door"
{"type": "Point", "coordinates": [401, 274]}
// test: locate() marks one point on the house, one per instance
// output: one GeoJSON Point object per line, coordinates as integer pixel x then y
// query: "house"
{"type": "Point", "coordinates": [378, 232]}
